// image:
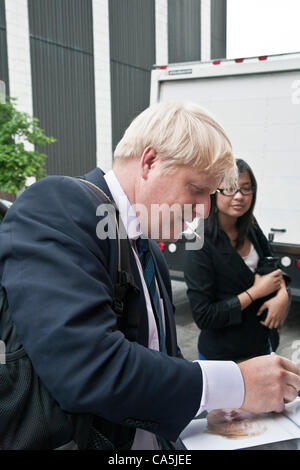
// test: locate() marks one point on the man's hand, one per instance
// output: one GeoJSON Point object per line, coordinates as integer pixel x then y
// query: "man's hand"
{"type": "Point", "coordinates": [270, 382]}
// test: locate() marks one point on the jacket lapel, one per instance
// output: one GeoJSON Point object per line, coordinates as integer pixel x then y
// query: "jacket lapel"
{"type": "Point", "coordinates": [253, 238]}
{"type": "Point", "coordinates": [171, 337]}
{"type": "Point", "coordinates": [96, 177]}
{"type": "Point", "coordinates": [235, 265]}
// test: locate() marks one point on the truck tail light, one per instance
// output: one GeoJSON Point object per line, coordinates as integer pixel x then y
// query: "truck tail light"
{"type": "Point", "coordinates": [298, 263]}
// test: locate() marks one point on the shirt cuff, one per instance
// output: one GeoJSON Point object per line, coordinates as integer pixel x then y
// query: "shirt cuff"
{"type": "Point", "coordinates": [223, 385]}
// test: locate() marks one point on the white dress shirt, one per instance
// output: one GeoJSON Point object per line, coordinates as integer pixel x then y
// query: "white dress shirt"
{"type": "Point", "coordinates": [223, 385]}
{"type": "Point", "coordinates": [251, 259]}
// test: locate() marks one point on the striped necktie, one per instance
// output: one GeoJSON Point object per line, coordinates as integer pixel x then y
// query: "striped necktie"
{"type": "Point", "coordinates": [149, 276]}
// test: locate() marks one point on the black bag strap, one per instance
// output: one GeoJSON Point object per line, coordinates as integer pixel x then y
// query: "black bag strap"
{"type": "Point", "coordinates": [86, 435]}
{"type": "Point", "coordinates": [124, 279]}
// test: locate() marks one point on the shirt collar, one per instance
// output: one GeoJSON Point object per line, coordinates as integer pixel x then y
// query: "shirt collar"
{"type": "Point", "coordinates": [126, 210]}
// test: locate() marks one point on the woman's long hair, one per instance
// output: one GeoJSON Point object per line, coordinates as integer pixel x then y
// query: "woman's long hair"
{"type": "Point", "coordinates": [244, 223]}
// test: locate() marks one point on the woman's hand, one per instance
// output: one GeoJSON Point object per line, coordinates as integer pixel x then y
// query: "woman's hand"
{"type": "Point", "coordinates": [265, 285]}
{"type": "Point", "coordinates": [276, 307]}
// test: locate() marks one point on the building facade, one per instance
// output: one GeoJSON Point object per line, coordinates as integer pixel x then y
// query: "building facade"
{"type": "Point", "coordinates": [83, 67]}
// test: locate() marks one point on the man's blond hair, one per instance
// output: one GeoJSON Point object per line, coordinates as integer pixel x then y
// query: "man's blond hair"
{"type": "Point", "coordinates": [183, 134]}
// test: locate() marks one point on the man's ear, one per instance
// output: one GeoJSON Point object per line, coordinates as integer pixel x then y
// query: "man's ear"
{"type": "Point", "coordinates": [148, 158]}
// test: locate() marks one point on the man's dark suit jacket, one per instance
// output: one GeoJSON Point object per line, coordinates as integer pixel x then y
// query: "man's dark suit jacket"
{"type": "Point", "coordinates": [215, 275]}
{"type": "Point", "coordinates": [59, 281]}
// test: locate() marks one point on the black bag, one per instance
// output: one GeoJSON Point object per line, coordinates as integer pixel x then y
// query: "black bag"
{"type": "Point", "coordinates": [29, 417]}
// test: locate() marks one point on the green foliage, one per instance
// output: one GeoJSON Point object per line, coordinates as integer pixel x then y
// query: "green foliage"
{"type": "Point", "coordinates": [16, 162]}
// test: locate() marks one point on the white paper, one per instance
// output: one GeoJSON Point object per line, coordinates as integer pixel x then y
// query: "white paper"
{"type": "Point", "coordinates": [259, 429]}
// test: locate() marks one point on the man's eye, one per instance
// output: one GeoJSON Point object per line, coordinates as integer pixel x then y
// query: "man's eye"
{"type": "Point", "coordinates": [197, 190]}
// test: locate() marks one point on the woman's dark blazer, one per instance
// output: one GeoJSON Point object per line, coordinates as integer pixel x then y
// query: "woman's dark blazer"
{"type": "Point", "coordinates": [215, 275]}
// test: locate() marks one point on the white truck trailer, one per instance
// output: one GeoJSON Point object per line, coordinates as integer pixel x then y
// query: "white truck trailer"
{"type": "Point", "coordinates": [257, 101]}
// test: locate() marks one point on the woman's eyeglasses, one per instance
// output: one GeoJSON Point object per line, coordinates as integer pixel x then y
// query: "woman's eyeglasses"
{"type": "Point", "coordinates": [230, 192]}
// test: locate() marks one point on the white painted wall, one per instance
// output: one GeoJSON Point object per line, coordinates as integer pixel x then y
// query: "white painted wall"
{"type": "Point", "coordinates": [205, 30]}
{"type": "Point", "coordinates": [18, 52]}
{"type": "Point", "coordinates": [102, 84]}
{"type": "Point", "coordinates": [19, 62]}
{"type": "Point", "coordinates": [161, 32]}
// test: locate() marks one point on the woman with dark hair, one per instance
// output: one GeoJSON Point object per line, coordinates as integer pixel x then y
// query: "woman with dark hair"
{"type": "Point", "coordinates": [228, 297]}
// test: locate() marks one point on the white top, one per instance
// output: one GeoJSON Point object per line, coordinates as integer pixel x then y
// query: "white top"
{"type": "Point", "coordinates": [251, 259]}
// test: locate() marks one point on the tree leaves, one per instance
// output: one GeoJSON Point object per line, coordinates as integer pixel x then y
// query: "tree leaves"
{"type": "Point", "coordinates": [17, 161]}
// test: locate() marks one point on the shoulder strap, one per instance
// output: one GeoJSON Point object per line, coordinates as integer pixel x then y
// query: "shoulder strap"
{"type": "Point", "coordinates": [124, 278]}
{"type": "Point", "coordinates": [103, 434]}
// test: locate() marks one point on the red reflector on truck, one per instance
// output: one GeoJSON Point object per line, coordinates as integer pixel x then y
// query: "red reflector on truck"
{"type": "Point", "coordinates": [216, 62]}
{"type": "Point", "coordinates": [161, 246]}
{"type": "Point", "coordinates": [238, 60]}
{"type": "Point", "coordinates": [263, 57]}
{"type": "Point", "coordinates": [298, 263]}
